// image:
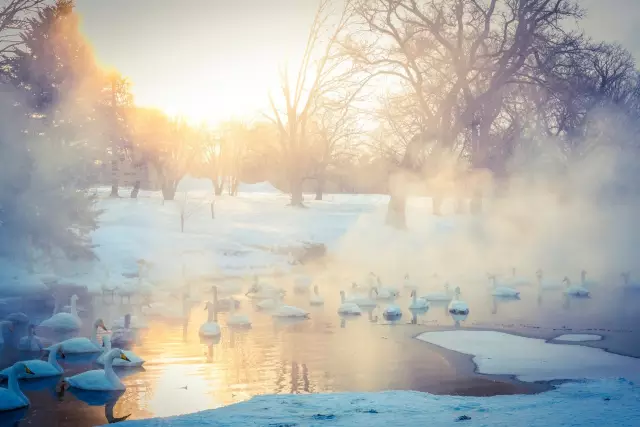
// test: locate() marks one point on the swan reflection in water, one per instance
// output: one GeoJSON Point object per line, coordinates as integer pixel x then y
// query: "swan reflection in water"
{"type": "Point", "coordinates": [457, 318]}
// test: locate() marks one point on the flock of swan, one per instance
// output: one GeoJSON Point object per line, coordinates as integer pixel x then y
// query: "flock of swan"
{"type": "Point", "coordinates": [103, 380]}
{"type": "Point", "coordinates": [265, 296]}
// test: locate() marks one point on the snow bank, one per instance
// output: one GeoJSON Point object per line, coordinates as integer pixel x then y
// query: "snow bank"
{"type": "Point", "coordinates": [578, 337]}
{"type": "Point", "coordinates": [574, 404]}
{"type": "Point", "coordinates": [531, 359]}
{"type": "Point", "coordinates": [201, 185]}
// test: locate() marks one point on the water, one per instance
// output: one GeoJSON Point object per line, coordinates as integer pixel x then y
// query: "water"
{"type": "Point", "coordinates": [326, 353]}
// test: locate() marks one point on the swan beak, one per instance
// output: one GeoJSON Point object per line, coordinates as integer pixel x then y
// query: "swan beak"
{"type": "Point", "coordinates": [28, 371]}
{"type": "Point", "coordinates": [124, 357]}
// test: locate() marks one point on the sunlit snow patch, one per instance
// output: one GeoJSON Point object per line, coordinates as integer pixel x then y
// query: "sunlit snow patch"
{"type": "Point", "coordinates": [531, 359]}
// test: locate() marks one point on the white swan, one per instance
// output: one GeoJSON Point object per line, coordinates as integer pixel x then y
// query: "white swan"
{"type": "Point", "coordinates": [100, 379]}
{"type": "Point", "coordinates": [574, 290]}
{"type": "Point", "coordinates": [271, 303]}
{"type": "Point", "coordinates": [41, 368]}
{"type": "Point", "coordinates": [515, 281]}
{"type": "Point", "coordinates": [407, 284]}
{"type": "Point", "coordinates": [5, 327]}
{"type": "Point", "coordinates": [316, 299]}
{"type": "Point", "coordinates": [626, 280]}
{"type": "Point", "coordinates": [237, 319]}
{"type": "Point", "coordinates": [64, 322]}
{"type": "Point", "coordinates": [289, 311]}
{"type": "Point", "coordinates": [302, 283]}
{"type": "Point", "coordinates": [81, 345]}
{"type": "Point", "coordinates": [210, 328]}
{"type": "Point", "coordinates": [31, 342]}
{"type": "Point", "coordinates": [13, 398]}
{"type": "Point", "coordinates": [418, 303]}
{"type": "Point", "coordinates": [457, 306]}
{"type": "Point", "coordinates": [131, 322]}
{"type": "Point", "coordinates": [133, 362]}
{"type": "Point", "coordinates": [392, 312]}
{"type": "Point", "coordinates": [502, 291]}
{"type": "Point", "coordinates": [386, 292]}
{"type": "Point", "coordinates": [544, 284]}
{"type": "Point", "coordinates": [440, 296]}
{"type": "Point", "coordinates": [586, 283]}
{"type": "Point", "coordinates": [349, 308]}
{"type": "Point", "coordinates": [363, 301]}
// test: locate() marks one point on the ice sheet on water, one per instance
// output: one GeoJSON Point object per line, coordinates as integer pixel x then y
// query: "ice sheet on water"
{"type": "Point", "coordinates": [532, 359]}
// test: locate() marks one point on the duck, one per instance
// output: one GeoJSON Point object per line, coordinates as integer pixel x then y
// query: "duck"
{"type": "Point", "coordinates": [30, 342]}
{"type": "Point", "coordinates": [574, 290]}
{"type": "Point", "coordinates": [134, 361]}
{"type": "Point", "coordinates": [502, 291]}
{"type": "Point", "coordinates": [210, 328]}
{"type": "Point", "coordinates": [302, 283]}
{"type": "Point", "coordinates": [457, 306]}
{"type": "Point", "coordinates": [12, 398]}
{"type": "Point", "coordinates": [41, 368]}
{"type": "Point", "coordinates": [418, 303]}
{"type": "Point", "coordinates": [586, 283]}
{"type": "Point", "coordinates": [316, 299]}
{"type": "Point", "coordinates": [392, 312]}
{"type": "Point", "coordinates": [440, 296]}
{"type": "Point", "coordinates": [237, 320]}
{"type": "Point", "coordinates": [64, 322]}
{"type": "Point", "coordinates": [100, 379]}
{"type": "Point", "coordinates": [80, 345]}
{"type": "Point", "coordinates": [364, 301]}
{"type": "Point", "coordinates": [6, 327]}
{"type": "Point", "coordinates": [348, 308]}
{"type": "Point", "coordinates": [626, 280]}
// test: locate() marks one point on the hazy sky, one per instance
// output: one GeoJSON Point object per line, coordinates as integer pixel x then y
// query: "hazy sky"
{"type": "Point", "coordinates": [211, 59]}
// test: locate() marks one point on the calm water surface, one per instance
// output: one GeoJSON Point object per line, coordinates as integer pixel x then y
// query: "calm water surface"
{"type": "Point", "coordinates": [325, 353]}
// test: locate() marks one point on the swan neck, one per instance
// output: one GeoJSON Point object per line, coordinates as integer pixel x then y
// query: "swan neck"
{"type": "Point", "coordinates": [342, 298]}
{"type": "Point", "coordinates": [74, 308]}
{"type": "Point", "coordinates": [94, 335]}
{"type": "Point", "coordinates": [56, 306]}
{"type": "Point", "coordinates": [53, 359]}
{"type": "Point", "coordinates": [108, 368]}
{"type": "Point", "coordinates": [210, 313]}
{"type": "Point", "coordinates": [14, 386]}
{"type": "Point", "coordinates": [415, 297]}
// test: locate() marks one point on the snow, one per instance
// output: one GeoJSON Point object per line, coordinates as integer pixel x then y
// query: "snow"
{"type": "Point", "coordinates": [531, 359]}
{"type": "Point", "coordinates": [259, 187]}
{"type": "Point", "coordinates": [612, 402]}
{"type": "Point", "coordinates": [578, 337]}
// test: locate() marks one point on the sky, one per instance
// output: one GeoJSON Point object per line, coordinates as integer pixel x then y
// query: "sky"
{"type": "Point", "coordinates": [211, 60]}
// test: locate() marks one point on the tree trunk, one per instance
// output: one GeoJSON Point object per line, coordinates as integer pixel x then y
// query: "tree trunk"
{"type": "Point", "coordinates": [217, 187]}
{"type": "Point", "coordinates": [235, 186]}
{"type": "Point", "coordinates": [114, 177]}
{"type": "Point", "coordinates": [396, 212]}
{"type": "Point", "coordinates": [319, 187]}
{"type": "Point", "coordinates": [135, 190]}
{"type": "Point", "coordinates": [475, 206]}
{"type": "Point", "coordinates": [436, 202]}
{"type": "Point", "coordinates": [296, 192]}
{"type": "Point", "coordinates": [169, 190]}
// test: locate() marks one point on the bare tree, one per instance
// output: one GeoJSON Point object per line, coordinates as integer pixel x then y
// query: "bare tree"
{"type": "Point", "coordinates": [456, 58]}
{"type": "Point", "coordinates": [14, 19]}
{"type": "Point", "coordinates": [319, 74]}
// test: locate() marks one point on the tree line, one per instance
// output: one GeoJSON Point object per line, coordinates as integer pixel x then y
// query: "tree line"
{"type": "Point", "coordinates": [434, 97]}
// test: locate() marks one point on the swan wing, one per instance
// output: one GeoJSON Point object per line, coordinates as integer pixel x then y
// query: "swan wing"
{"type": "Point", "coordinates": [9, 400]}
{"type": "Point", "coordinates": [91, 380]}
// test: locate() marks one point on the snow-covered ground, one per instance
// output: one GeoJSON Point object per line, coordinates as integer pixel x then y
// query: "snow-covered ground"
{"type": "Point", "coordinates": [531, 359]}
{"type": "Point", "coordinates": [612, 402]}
